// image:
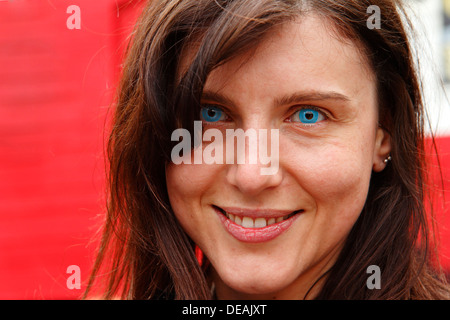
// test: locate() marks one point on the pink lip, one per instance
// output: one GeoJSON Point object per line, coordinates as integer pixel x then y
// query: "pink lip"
{"type": "Point", "coordinates": [256, 235]}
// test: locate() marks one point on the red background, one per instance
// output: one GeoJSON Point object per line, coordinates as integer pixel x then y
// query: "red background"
{"type": "Point", "coordinates": [56, 85]}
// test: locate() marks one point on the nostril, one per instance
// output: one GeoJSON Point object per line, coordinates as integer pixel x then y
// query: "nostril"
{"type": "Point", "coordinates": [247, 178]}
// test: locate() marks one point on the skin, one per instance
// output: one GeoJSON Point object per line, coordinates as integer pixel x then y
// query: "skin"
{"type": "Point", "coordinates": [324, 168]}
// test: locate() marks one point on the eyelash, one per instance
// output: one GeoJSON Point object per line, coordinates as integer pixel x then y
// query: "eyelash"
{"type": "Point", "coordinates": [208, 107]}
{"type": "Point", "coordinates": [318, 112]}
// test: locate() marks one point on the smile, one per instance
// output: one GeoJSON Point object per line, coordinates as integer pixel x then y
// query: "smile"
{"type": "Point", "coordinates": [256, 225]}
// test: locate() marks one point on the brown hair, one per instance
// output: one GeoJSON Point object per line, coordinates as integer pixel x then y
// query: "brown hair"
{"type": "Point", "coordinates": [145, 252]}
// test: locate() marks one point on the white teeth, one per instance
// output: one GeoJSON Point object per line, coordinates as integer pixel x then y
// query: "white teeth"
{"type": "Point", "coordinates": [260, 223]}
{"type": "Point", "coordinates": [248, 222]}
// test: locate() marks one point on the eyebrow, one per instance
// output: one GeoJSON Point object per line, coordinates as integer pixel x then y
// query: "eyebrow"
{"type": "Point", "coordinates": [311, 96]}
{"type": "Point", "coordinates": [284, 100]}
{"type": "Point", "coordinates": [217, 97]}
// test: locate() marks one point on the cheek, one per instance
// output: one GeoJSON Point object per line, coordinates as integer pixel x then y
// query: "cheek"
{"type": "Point", "coordinates": [336, 184]}
{"type": "Point", "coordinates": [187, 186]}
{"type": "Point", "coordinates": [336, 173]}
{"type": "Point", "coordinates": [339, 177]}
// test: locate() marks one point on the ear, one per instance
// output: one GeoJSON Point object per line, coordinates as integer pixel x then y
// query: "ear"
{"type": "Point", "coordinates": [382, 149]}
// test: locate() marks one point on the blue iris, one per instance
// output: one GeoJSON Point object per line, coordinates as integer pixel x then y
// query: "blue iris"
{"type": "Point", "coordinates": [309, 115]}
{"type": "Point", "coordinates": [211, 114]}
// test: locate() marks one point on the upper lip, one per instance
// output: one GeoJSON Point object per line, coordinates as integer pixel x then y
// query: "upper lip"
{"type": "Point", "coordinates": [257, 213]}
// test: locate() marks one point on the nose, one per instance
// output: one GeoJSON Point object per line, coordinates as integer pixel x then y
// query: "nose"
{"type": "Point", "coordinates": [249, 180]}
{"type": "Point", "coordinates": [254, 177]}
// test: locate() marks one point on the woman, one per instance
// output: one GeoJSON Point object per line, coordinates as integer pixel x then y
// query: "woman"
{"type": "Point", "coordinates": [348, 192]}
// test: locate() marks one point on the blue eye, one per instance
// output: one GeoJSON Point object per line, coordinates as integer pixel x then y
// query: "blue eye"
{"type": "Point", "coordinates": [212, 114]}
{"type": "Point", "coordinates": [307, 116]}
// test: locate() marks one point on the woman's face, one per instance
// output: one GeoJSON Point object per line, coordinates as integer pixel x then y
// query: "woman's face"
{"type": "Point", "coordinates": [320, 95]}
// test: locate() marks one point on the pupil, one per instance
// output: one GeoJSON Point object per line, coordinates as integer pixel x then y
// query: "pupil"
{"type": "Point", "coordinates": [211, 113]}
{"type": "Point", "coordinates": [309, 115]}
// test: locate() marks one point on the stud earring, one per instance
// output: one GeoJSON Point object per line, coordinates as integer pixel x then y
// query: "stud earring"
{"type": "Point", "coordinates": [389, 158]}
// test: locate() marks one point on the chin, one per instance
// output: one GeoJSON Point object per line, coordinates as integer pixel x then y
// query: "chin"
{"type": "Point", "coordinates": [262, 281]}
{"type": "Point", "coordinates": [256, 288]}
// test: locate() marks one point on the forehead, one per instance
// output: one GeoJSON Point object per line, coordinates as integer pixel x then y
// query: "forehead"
{"type": "Point", "coordinates": [306, 54]}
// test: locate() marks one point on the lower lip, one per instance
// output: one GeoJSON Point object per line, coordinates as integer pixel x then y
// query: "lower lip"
{"type": "Point", "coordinates": [256, 235]}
